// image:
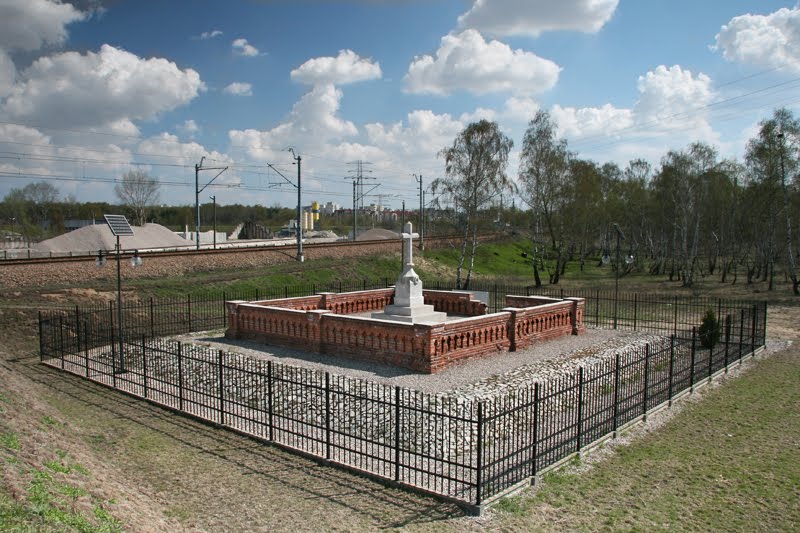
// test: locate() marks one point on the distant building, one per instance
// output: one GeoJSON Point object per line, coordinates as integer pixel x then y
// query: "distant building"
{"type": "Point", "coordinates": [74, 223]}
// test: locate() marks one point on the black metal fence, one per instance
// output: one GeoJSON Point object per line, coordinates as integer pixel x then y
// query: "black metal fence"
{"type": "Point", "coordinates": [462, 449]}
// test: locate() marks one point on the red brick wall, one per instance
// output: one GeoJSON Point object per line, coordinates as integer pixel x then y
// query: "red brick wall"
{"type": "Point", "coordinates": [424, 348]}
{"type": "Point", "coordinates": [347, 303]}
{"type": "Point", "coordinates": [301, 303]}
{"type": "Point", "coordinates": [529, 301]}
{"type": "Point", "coordinates": [454, 303]}
{"type": "Point", "coordinates": [467, 338]}
{"type": "Point", "coordinates": [397, 344]}
{"type": "Point", "coordinates": [544, 321]}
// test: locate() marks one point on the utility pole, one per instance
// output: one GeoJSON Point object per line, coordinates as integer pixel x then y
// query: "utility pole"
{"type": "Point", "coordinates": [355, 212]}
{"type": "Point", "coordinates": [198, 190]}
{"type": "Point", "coordinates": [300, 256]}
{"type": "Point", "coordinates": [358, 191]}
{"type": "Point", "coordinates": [421, 212]}
{"type": "Point", "coordinates": [214, 211]}
{"type": "Point", "coordinates": [298, 185]}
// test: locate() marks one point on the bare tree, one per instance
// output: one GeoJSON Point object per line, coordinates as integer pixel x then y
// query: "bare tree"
{"type": "Point", "coordinates": [137, 191]}
{"type": "Point", "coordinates": [475, 168]}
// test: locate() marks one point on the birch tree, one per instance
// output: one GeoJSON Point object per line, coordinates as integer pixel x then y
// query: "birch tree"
{"type": "Point", "coordinates": [475, 169]}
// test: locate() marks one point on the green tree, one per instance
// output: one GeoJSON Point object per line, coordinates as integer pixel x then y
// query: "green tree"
{"type": "Point", "coordinates": [475, 168]}
{"type": "Point", "coordinates": [543, 173]}
{"type": "Point", "coordinates": [771, 158]}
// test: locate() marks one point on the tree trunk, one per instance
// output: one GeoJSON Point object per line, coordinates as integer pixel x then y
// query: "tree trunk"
{"type": "Point", "coordinates": [791, 267]}
{"type": "Point", "coordinates": [461, 258]}
{"type": "Point", "coordinates": [472, 256]}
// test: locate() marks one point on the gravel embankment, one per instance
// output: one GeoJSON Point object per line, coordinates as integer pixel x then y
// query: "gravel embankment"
{"type": "Point", "coordinates": [475, 378]}
{"type": "Point", "coordinates": [17, 276]}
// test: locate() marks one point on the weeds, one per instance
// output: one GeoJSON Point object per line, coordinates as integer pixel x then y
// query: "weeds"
{"type": "Point", "coordinates": [9, 440]}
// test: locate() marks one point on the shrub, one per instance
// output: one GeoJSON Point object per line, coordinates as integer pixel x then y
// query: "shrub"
{"type": "Point", "coordinates": [709, 331]}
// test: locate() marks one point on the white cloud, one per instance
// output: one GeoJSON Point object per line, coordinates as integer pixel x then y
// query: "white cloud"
{"type": "Point", "coordinates": [243, 48]}
{"type": "Point", "coordinates": [188, 127]}
{"type": "Point", "coordinates": [109, 87]}
{"type": "Point", "coordinates": [238, 88]}
{"type": "Point", "coordinates": [31, 24]}
{"type": "Point", "coordinates": [673, 95]}
{"type": "Point", "coordinates": [466, 61]}
{"type": "Point", "coordinates": [210, 34]}
{"type": "Point", "coordinates": [672, 111]}
{"type": "Point", "coordinates": [313, 122]}
{"type": "Point", "coordinates": [8, 74]}
{"type": "Point", "coordinates": [520, 109]}
{"type": "Point", "coordinates": [347, 67]}
{"type": "Point", "coordinates": [169, 147]}
{"type": "Point", "coordinates": [424, 135]}
{"type": "Point", "coordinates": [763, 40]}
{"type": "Point", "coordinates": [532, 17]}
{"type": "Point", "coordinates": [585, 121]}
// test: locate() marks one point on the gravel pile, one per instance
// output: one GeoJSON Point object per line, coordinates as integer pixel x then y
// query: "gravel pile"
{"type": "Point", "coordinates": [478, 378]}
{"type": "Point", "coordinates": [99, 237]}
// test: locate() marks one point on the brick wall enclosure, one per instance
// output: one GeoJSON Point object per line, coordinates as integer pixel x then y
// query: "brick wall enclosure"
{"type": "Point", "coordinates": [329, 323]}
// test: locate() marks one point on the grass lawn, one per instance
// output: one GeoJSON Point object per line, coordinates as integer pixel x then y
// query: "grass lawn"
{"type": "Point", "coordinates": [730, 462]}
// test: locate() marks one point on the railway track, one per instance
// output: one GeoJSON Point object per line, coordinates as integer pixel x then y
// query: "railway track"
{"type": "Point", "coordinates": [284, 249]}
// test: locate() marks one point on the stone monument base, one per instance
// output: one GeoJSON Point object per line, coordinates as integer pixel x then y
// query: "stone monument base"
{"type": "Point", "coordinates": [411, 315]}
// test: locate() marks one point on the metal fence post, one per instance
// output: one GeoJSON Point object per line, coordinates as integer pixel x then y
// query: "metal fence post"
{"type": "Point", "coordinates": [727, 338]}
{"type": "Point", "coordinates": [616, 395]}
{"type": "Point", "coordinates": [710, 361]}
{"type": "Point", "coordinates": [694, 349]}
{"type": "Point", "coordinates": [180, 376]}
{"type": "Point", "coordinates": [152, 319]}
{"type": "Point", "coordinates": [327, 415]}
{"type": "Point", "coordinates": [671, 366]}
{"type": "Point", "coordinates": [635, 308]}
{"type": "Point", "coordinates": [221, 389]}
{"type": "Point", "coordinates": [675, 316]}
{"type": "Point", "coordinates": [597, 309]}
{"type": "Point", "coordinates": [61, 339]}
{"type": "Point", "coordinates": [580, 410]}
{"type": "Point", "coordinates": [396, 433]}
{"type": "Point", "coordinates": [41, 337]}
{"type": "Point", "coordinates": [646, 379]}
{"type": "Point", "coordinates": [113, 347]}
{"type": "Point", "coordinates": [269, 400]}
{"type": "Point", "coordinates": [535, 452]}
{"type": "Point", "coordinates": [86, 346]}
{"type": "Point", "coordinates": [479, 470]}
{"type": "Point", "coordinates": [753, 332]}
{"type": "Point", "coordinates": [144, 364]}
{"type": "Point", "coordinates": [741, 336]}
{"type": "Point", "coordinates": [189, 305]}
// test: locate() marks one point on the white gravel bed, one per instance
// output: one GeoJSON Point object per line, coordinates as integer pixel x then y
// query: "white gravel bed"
{"type": "Point", "coordinates": [480, 377]}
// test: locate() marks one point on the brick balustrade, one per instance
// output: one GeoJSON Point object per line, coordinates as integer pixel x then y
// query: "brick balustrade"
{"type": "Point", "coordinates": [320, 324]}
{"type": "Point", "coordinates": [454, 303]}
{"type": "Point", "coordinates": [538, 319]}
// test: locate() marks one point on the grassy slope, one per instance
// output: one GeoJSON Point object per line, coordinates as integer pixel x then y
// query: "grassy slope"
{"type": "Point", "coordinates": [130, 463]}
{"type": "Point", "coordinates": [729, 463]}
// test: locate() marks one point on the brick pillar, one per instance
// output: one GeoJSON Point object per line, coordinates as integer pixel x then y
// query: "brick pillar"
{"type": "Point", "coordinates": [315, 318]}
{"type": "Point", "coordinates": [576, 315]}
{"type": "Point", "coordinates": [326, 300]}
{"type": "Point", "coordinates": [233, 318]}
{"type": "Point", "coordinates": [424, 337]}
{"type": "Point", "coordinates": [512, 327]}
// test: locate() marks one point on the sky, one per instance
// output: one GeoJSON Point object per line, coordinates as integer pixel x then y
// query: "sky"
{"type": "Point", "coordinates": [93, 89]}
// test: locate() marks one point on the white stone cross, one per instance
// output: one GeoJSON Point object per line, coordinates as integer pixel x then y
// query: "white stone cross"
{"type": "Point", "coordinates": [408, 236]}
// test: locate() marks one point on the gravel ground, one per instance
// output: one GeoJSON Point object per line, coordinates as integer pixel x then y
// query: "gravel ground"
{"type": "Point", "coordinates": [475, 378]}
